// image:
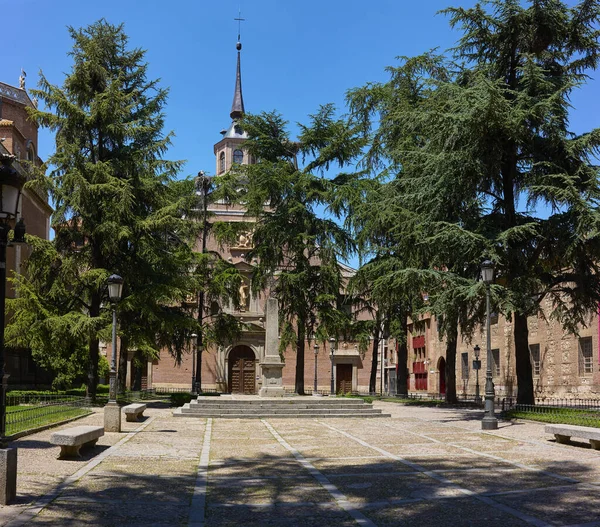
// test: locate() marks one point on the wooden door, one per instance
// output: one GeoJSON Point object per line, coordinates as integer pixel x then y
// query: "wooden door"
{"type": "Point", "coordinates": [343, 378]}
{"type": "Point", "coordinates": [442, 374]}
{"type": "Point", "coordinates": [242, 370]}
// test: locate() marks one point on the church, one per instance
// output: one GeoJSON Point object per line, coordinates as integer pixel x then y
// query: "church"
{"type": "Point", "coordinates": [563, 365]}
{"type": "Point", "coordinates": [240, 367]}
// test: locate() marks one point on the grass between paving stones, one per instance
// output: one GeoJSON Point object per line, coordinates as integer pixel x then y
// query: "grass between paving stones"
{"type": "Point", "coordinates": [39, 416]}
{"type": "Point", "coordinates": [567, 416]}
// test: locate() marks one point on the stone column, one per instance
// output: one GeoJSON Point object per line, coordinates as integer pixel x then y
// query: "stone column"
{"type": "Point", "coordinates": [271, 364]}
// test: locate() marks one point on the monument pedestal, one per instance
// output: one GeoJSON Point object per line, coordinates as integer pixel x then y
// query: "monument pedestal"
{"type": "Point", "coordinates": [8, 475]}
{"type": "Point", "coordinates": [112, 417]}
{"type": "Point", "coordinates": [272, 366]}
{"type": "Point", "coordinates": [272, 381]}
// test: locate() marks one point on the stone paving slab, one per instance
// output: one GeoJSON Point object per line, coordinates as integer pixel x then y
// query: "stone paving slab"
{"type": "Point", "coordinates": [424, 466]}
{"type": "Point", "coordinates": [454, 512]}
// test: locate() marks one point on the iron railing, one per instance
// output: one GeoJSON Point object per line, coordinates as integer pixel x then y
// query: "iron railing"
{"type": "Point", "coordinates": [30, 413]}
{"type": "Point", "coordinates": [584, 412]}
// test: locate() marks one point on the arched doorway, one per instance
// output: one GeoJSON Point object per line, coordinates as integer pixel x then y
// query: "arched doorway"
{"type": "Point", "coordinates": [442, 373]}
{"type": "Point", "coordinates": [242, 370]}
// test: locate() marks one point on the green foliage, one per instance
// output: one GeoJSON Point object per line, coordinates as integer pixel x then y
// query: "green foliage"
{"type": "Point", "coordinates": [470, 149]}
{"type": "Point", "coordinates": [117, 210]}
{"type": "Point", "coordinates": [295, 250]}
{"type": "Point", "coordinates": [179, 399]}
{"type": "Point", "coordinates": [567, 416]}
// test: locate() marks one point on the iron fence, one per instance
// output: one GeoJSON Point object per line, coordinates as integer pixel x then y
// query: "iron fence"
{"type": "Point", "coordinates": [29, 413]}
{"type": "Point", "coordinates": [584, 412]}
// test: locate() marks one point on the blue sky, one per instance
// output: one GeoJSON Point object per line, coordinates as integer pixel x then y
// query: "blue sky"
{"type": "Point", "coordinates": [296, 55]}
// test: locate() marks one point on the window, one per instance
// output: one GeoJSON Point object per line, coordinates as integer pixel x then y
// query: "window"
{"type": "Point", "coordinates": [496, 362]}
{"type": "Point", "coordinates": [585, 356]}
{"type": "Point", "coordinates": [464, 366]}
{"type": "Point", "coordinates": [238, 156]}
{"type": "Point", "coordinates": [534, 351]}
{"type": "Point", "coordinates": [221, 162]}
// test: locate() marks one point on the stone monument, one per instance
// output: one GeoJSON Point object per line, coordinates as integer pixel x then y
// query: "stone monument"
{"type": "Point", "coordinates": [272, 366]}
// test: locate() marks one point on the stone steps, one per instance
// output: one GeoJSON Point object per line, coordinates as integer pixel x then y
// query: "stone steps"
{"type": "Point", "coordinates": [291, 415]}
{"type": "Point", "coordinates": [291, 408]}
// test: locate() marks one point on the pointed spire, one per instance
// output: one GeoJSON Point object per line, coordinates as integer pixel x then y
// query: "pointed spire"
{"type": "Point", "coordinates": [237, 107]}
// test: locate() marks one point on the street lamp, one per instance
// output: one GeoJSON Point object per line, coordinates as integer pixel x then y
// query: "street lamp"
{"type": "Point", "coordinates": [11, 183]}
{"type": "Point", "coordinates": [477, 367]}
{"type": "Point", "coordinates": [489, 421]}
{"type": "Point", "coordinates": [112, 412]}
{"type": "Point", "coordinates": [194, 336]}
{"type": "Point", "coordinates": [332, 352]}
{"type": "Point", "coordinates": [316, 350]}
{"type": "Point", "coordinates": [204, 185]}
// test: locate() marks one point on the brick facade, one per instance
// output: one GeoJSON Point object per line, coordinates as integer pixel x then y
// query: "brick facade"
{"type": "Point", "coordinates": [19, 137]}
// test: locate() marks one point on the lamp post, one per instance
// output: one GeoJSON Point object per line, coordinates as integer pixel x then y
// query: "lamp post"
{"type": "Point", "coordinates": [476, 367]}
{"type": "Point", "coordinates": [316, 350]}
{"type": "Point", "coordinates": [332, 352]}
{"type": "Point", "coordinates": [112, 412]}
{"type": "Point", "coordinates": [194, 336]}
{"type": "Point", "coordinates": [489, 421]}
{"type": "Point", "coordinates": [11, 183]}
{"type": "Point", "coordinates": [204, 184]}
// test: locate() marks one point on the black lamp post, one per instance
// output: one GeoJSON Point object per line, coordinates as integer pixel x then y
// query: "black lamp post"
{"type": "Point", "coordinates": [476, 367]}
{"type": "Point", "coordinates": [316, 350]}
{"type": "Point", "coordinates": [194, 337]}
{"type": "Point", "coordinates": [11, 184]}
{"type": "Point", "coordinates": [332, 352]}
{"type": "Point", "coordinates": [489, 421]}
{"type": "Point", "coordinates": [115, 290]}
{"type": "Point", "coordinates": [204, 185]}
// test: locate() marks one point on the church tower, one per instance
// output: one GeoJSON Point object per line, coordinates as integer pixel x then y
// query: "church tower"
{"type": "Point", "coordinates": [229, 150]}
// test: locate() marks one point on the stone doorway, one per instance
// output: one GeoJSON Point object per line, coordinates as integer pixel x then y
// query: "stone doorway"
{"type": "Point", "coordinates": [242, 370]}
{"type": "Point", "coordinates": [343, 376]}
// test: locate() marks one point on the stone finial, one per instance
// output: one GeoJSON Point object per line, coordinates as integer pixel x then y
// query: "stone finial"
{"type": "Point", "coordinates": [22, 79]}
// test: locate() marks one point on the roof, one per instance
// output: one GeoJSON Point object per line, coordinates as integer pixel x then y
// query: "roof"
{"type": "Point", "coordinates": [15, 94]}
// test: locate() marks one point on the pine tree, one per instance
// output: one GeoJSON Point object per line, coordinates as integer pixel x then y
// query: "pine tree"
{"type": "Point", "coordinates": [116, 211]}
{"type": "Point", "coordinates": [296, 250]}
{"type": "Point", "coordinates": [482, 139]}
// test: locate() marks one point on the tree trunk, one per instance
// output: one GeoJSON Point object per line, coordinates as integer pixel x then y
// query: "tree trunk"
{"type": "Point", "coordinates": [373, 377]}
{"type": "Point", "coordinates": [137, 379]}
{"type": "Point", "coordinates": [451, 369]}
{"type": "Point", "coordinates": [523, 362]}
{"type": "Point", "coordinates": [402, 373]}
{"type": "Point", "coordinates": [94, 352]}
{"type": "Point", "coordinates": [300, 360]}
{"type": "Point", "coordinates": [122, 370]}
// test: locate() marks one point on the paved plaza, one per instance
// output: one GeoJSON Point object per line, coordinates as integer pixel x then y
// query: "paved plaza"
{"type": "Point", "coordinates": [422, 467]}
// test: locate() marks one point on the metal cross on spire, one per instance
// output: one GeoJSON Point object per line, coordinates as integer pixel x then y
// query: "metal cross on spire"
{"type": "Point", "coordinates": [239, 21]}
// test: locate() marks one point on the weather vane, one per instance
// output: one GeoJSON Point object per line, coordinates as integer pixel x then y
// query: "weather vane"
{"type": "Point", "coordinates": [239, 21]}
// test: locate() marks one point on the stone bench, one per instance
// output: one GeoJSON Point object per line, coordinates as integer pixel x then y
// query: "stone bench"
{"type": "Point", "coordinates": [71, 440]}
{"type": "Point", "coordinates": [134, 411]}
{"type": "Point", "coordinates": [563, 433]}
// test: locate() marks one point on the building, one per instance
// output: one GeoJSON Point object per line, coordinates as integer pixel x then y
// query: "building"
{"type": "Point", "coordinates": [563, 365]}
{"type": "Point", "coordinates": [236, 367]}
{"type": "Point", "coordinates": [19, 137]}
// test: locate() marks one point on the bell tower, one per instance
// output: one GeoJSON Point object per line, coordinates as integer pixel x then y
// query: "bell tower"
{"type": "Point", "coordinates": [229, 150]}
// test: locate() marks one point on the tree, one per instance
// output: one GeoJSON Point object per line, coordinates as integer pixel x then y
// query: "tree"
{"type": "Point", "coordinates": [296, 250]}
{"type": "Point", "coordinates": [116, 210]}
{"type": "Point", "coordinates": [482, 140]}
